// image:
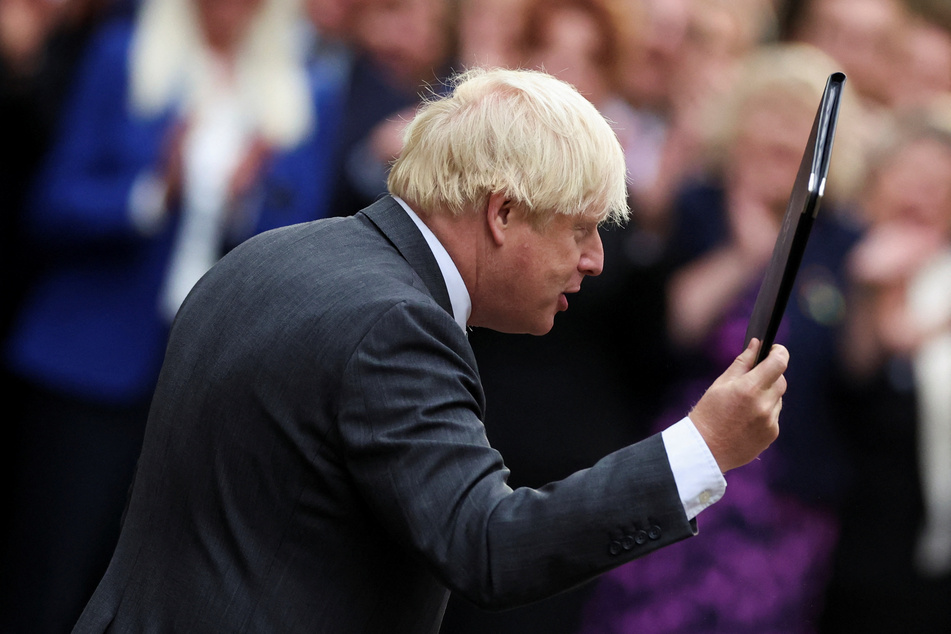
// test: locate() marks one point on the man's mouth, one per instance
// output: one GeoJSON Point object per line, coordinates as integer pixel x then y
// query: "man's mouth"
{"type": "Point", "coordinates": [563, 298]}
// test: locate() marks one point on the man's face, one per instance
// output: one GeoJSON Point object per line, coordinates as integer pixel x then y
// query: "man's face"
{"type": "Point", "coordinates": [538, 268]}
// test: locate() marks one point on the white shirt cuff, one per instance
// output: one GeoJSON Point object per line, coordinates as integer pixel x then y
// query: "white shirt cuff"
{"type": "Point", "coordinates": [696, 473]}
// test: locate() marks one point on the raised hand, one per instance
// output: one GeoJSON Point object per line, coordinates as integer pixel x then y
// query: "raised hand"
{"type": "Point", "coordinates": [738, 416]}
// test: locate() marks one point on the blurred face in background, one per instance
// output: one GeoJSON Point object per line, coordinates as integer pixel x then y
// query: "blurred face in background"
{"type": "Point", "coordinates": [914, 186]}
{"type": "Point", "coordinates": [409, 38]}
{"type": "Point", "coordinates": [864, 36]}
{"type": "Point", "coordinates": [26, 25]}
{"type": "Point", "coordinates": [224, 23]}
{"type": "Point", "coordinates": [717, 36]}
{"type": "Point", "coordinates": [333, 18]}
{"type": "Point", "coordinates": [927, 66]}
{"type": "Point", "coordinates": [570, 46]}
{"type": "Point", "coordinates": [655, 56]}
{"type": "Point", "coordinates": [768, 148]}
{"type": "Point", "coordinates": [489, 31]}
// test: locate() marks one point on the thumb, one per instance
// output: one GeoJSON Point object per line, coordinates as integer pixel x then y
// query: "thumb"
{"type": "Point", "coordinates": [744, 362]}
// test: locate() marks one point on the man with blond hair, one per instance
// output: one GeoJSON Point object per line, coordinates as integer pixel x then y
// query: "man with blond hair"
{"type": "Point", "coordinates": [315, 460]}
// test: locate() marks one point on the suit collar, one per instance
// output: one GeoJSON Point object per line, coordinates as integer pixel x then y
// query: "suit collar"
{"type": "Point", "coordinates": [398, 227]}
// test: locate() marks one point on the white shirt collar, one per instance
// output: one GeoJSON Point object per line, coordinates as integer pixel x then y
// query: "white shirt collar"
{"type": "Point", "coordinates": [458, 293]}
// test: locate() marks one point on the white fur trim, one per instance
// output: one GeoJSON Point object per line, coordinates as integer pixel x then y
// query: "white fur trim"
{"type": "Point", "coordinates": [169, 66]}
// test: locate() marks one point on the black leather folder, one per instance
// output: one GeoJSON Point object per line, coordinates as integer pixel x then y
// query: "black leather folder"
{"type": "Point", "coordinates": [801, 212]}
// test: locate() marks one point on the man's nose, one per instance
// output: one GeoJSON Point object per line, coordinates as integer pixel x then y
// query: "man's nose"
{"type": "Point", "coordinates": [592, 255]}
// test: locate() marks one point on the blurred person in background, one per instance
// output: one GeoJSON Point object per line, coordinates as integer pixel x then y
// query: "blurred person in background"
{"type": "Point", "coordinates": [926, 72]}
{"type": "Point", "coordinates": [898, 352]}
{"type": "Point", "coordinates": [646, 85]}
{"type": "Point", "coordinates": [330, 31]}
{"type": "Point", "coordinates": [774, 532]}
{"type": "Point", "coordinates": [333, 19]}
{"type": "Point", "coordinates": [866, 37]}
{"type": "Point", "coordinates": [938, 11]}
{"type": "Point", "coordinates": [403, 47]}
{"type": "Point", "coordinates": [718, 35]}
{"type": "Point", "coordinates": [488, 32]}
{"type": "Point", "coordinates": [40, 42]}
{"type": "Point", "coordinates": [646, 75]}
{"type": "Point", "coordinates": [582, 41]}
{"type": "Point", "coordinates": [191, 127]}
{"type": "Point", "coordinates": [686, 57]}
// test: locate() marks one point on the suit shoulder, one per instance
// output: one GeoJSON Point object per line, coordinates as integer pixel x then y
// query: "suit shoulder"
{"type": "Point", "coordinates": [333, 270]}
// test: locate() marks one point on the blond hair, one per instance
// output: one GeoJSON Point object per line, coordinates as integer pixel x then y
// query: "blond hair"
{"type": "Point", "coordinates": [795, 75]}
{"type": "Point", "coordinates": [521, 133]}
{"type": "Point", "coordinates": [170, 66]}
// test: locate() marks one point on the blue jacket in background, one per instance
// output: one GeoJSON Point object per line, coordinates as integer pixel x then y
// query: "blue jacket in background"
{"type": "Point", "coordinates": [91, 326]}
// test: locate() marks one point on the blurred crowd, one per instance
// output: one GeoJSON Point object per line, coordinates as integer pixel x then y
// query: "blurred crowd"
{"type": "Point", "coordinates": [142, 139]}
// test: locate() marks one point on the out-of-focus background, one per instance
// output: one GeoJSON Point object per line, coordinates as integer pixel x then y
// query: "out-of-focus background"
{"type": "Point", "coordinates": [142, 139]}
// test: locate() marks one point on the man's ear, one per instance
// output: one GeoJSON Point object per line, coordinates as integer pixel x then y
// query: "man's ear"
{"type": "Point", "coordinates": [498, 217]}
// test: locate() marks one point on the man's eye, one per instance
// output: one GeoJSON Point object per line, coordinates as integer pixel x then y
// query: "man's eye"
{"type": "Point", "coordinates": [583, 231]}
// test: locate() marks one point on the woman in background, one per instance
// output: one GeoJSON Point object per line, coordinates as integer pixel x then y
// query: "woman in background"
{"type": "Point", "coordinates": [191, 127]}
{"type": "Point", "coordinates": [767, 545]}
{"type": "Point", "coordinates": [898, 353]}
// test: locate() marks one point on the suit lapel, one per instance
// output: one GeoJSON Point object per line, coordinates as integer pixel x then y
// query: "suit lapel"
{"type": "Point", "coordinates": [399, 228]}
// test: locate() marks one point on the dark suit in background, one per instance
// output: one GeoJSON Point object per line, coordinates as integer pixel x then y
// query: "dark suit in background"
{"type": "Point", "coordinates": [315, 461]}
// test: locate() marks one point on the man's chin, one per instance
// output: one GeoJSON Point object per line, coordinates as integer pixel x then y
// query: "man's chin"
{"type": "Point", "coordinates": [513, 325]}
{"type": "Point", "coordinates": [527, 329]}
{"type": "Point", "coordinates": [542, 328]}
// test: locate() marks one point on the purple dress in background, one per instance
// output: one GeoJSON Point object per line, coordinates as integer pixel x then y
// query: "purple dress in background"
{"type": "Point", "coordinates": [759, 564]}
{"type": "Point", "coordinates": [763, 557]}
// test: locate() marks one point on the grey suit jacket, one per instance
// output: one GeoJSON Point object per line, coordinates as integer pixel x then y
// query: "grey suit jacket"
{"type": "Point", "coordinates": [315, 462]}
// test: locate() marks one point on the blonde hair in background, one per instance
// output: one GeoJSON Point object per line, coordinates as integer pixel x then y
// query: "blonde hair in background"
{"type": "Point", "coordinates": [170, 66]}
{"type": "Point", "coordinates": [796, 75]}
{"type": "Point", "coordinates": [522, 133]}
{"type": "Point", "coordinates": [908, 125]}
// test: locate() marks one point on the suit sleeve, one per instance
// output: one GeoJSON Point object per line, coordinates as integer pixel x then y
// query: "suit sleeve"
{"type": "Point", "coordinates": [409, 420]}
